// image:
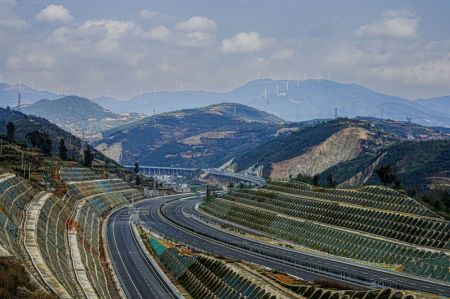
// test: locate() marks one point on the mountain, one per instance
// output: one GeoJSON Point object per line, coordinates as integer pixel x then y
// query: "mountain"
{"type": "Point", "coordinates": [292, 101]}
{"type": "Point", "coordinates": [25, 124]}
{"type": "Point", "coordinates": [79, 115]}
{"type": "Point", "coordinates": [9, 95]}
{"type": "Point", "coordinates": [418, 165]}
{"type": "Point", "coordinates": [352, 149]}
{"type": "Point", "coordinates": [441, 104]}
{"type": "Point", "coordinates": [202, 137]}
{"type": "Point", "coordinates": [165, 101]}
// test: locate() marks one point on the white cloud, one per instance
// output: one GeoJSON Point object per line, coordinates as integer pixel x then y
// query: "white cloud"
{"type": "Point", "coordinates": [394, 24]}
{"type": "Point", "coordinates": [149, 14]}
{"type": "Point", "coordinates": [159, 33]}
{"type": "Point", "coordinates": [8, 19]}
{"type": "Point", "coordinates": [194, 39]}
{"type": "Point", "coordinates": [432, 72]}
{"type": "Point", "coordinates": [282, 54]}
{"type": "Point", "coordinates": [30, 62]}
{"type": "Point", "coordinates": [245, 42]}
{"type": "Point", "coordinates": [54, 13]}
{"type": "Point", "coordinates": [197, 24]}
{"type": "Point", "coordinates": [100, 36]}
{"type": "Point", "coordinates": [13, 23]}
{"type": "Point", "coordinates": [7, 2]}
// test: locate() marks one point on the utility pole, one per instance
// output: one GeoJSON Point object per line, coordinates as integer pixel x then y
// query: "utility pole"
{"type": "Point", "coordinates": [335, 112]}
{"type": "Point", "coordinates": [29, 171]}
{"type": "Point", "coordinates": [23, 167]}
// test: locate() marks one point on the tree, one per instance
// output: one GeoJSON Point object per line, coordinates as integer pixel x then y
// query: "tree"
{"type": "Point", "coordinates": [316, 179]}
{"type": "Point", "coordinates": [10, 131]}
{"type": "Point", "coordinates": [62, 150]}
{"type": "Point", "coordinates": [387, 175]}
{"type": "Point", "coordinates": [330, 179]}
{"type": "Point", "coordinates": [40, 140]}
{"type": "Point", "coordinates": [88, 157]}
{"type": "Point", "coordinates": [138, 180]}
{"type": "Point", "coordinates": [136, 168]}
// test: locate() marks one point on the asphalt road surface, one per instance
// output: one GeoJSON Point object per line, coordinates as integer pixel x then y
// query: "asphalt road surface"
{"type": "Point", "coordinates": [137, 275]}
{"type": "Point", "coordinates": [173, 218]}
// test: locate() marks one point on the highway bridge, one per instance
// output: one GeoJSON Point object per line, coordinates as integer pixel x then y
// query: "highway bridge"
{"type": "Point", "coordinates": [178, 219]}
{"type": "Point", "coordinates": [162, 170]}
{"type": "Point", "coordinates": [234, 178]}
{"type": "Point", "coordinates": [214, 174]}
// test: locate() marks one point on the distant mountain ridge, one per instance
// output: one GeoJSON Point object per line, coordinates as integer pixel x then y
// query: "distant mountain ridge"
{"type": "Point", "coordinates": [68, 108]}
{"type": "Point", "coordinates": [79, 116]}
{"type": "Point", "coordinates": [441, 104]}
{"type": "Point", "coordinates": [9, 95]}
{"type": "Point", "coordinates": [292, 100]}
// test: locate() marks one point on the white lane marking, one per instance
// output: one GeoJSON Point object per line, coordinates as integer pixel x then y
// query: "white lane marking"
{"type": "Point", "coordinates": [121, 260]}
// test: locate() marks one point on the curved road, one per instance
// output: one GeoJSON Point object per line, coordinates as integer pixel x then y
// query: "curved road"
{"type": "Point", "coordinates": [173, 218]}
{"type": "Point", "coordinates": [137, 275]}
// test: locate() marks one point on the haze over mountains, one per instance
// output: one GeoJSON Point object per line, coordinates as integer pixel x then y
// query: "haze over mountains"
{"type": "Point", "coordinates": [295, 101]}
{"type": "Point", "coordinates": [80, 116]}
{"type": "Point", "coordinates": [291, 100]}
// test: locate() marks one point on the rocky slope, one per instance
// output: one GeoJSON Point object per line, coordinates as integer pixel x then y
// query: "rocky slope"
{"type": "Point", "coordinates": [352, 151]}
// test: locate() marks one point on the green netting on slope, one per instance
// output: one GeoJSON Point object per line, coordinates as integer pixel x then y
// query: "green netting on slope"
{"type": "Point", "coordinates": [157, 247]}
{"type": "Point", "coordinates": [330, 240]}
{"type": "Point", "coordinates": [407, 228]}
{"type": "Point", "coordinates": [374, 196]}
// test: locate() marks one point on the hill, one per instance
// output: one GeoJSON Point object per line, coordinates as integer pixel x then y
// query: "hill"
{"type": "Point", "coordinates": [418, 165]}
{"type": "Point", "coordinates": [25, 124]}
{"type": "Point", "coordinates": [202, 137]}
{"type": "Point", "coordinates": [292, 101]}
{"type": "Point", "coordinates": [79, 115]}
{"type": "Point", "coordinates": [312, 150]}
{"type": "Point", "coordinates": [441, 104]}
{"type": "Point", "coordinates": [9, 94]}
{"type": "Point", "coordinates": [352, 150]}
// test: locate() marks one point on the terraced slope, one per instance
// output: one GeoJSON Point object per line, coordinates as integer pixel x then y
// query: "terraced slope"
{"type": "Point", "coordinates": [371, 224]}
{"type": "Point", "coordinates": [209, 277]}
{"type": "Point", "coordinates": [95, 197]}
{"type": "Point", "coordinates": [59, 239]}
{"type": "Point", "coordinates": [15, 194]}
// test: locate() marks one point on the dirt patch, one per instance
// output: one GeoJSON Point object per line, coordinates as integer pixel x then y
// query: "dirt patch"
{"type": "Point", "coordinates": [341, 146]}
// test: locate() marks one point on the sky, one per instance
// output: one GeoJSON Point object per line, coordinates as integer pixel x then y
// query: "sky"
{"type": "Point", "coordinates": [123, 48]}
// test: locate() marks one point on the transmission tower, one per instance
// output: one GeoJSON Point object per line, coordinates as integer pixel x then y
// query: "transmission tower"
{"type": "Point", "coordinates": [409, 134]}
{"type": "Point", "coordinates": [19, 103]}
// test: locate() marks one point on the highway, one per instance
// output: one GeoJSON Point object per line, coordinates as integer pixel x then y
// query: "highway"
{"type": "Point", "coordinates": [173, 218]}
{"type": "Point", "coordinates": [137, 275]}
